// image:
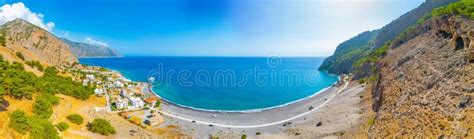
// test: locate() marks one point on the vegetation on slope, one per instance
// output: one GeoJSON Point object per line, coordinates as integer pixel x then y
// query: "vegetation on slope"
{"type": "Point", "coordinates": [344, 59]}
{"type": "Point", "coordinates": [349, 52]}
{"type": "Point", "coordinates": [75, 118]}
{"type": "Point", "coordinates": [101, 126]}
{"type": "Point", "coordinates": [62, 126]}
{"type": "Point", "coordinates": [38, 127]}
{"type": "Point", "coordinates": [20, 84]}
{"type": "Point", "coordinates": [35, 64]}
{"type": "Point", "coordinates": [463, 7]}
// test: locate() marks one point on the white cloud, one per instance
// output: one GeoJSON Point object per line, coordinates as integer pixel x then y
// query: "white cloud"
{"type": "Point", "coordinates": [96, 42]}
{"type": "Point", "coordinates": [19, 10]}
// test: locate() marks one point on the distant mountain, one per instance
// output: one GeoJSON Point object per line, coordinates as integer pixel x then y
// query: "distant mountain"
{"type": "Point", "coordinates": [31, 43]}
{"type": "Point", "coordinates": [349, 52]}
{"type": "Point", "coordinates": [81, 50]}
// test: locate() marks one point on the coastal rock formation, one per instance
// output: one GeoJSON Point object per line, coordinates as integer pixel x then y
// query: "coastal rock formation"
{"type": "Point", "coordinates": [81, 50]}
{"type": "Point", "coordinates": [35, 43]}
{"type": "Point", "coordinates": [425, 82]}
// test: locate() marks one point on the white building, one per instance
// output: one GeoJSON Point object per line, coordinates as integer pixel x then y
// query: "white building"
{"type": "Point", "coordinates": [118, 84]}
{"type": "Point", "coordinates": [136, 102]}
{"type": "Point", "coordinates": [90, 76]}
{"type": "Point", "coordinates": [121, 103]}
{"type": "Point", "coordinates": [85, 82]}
{"type": "Point", "coordinates": [124, 93]}
{"type": "Point", "coordinates": [98, 91]}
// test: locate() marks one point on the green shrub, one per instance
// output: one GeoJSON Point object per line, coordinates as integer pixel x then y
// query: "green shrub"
{"type": "Point", "coordinates": [42, 129]}
{"type": "Point", "coordinates": [20, 55]}
{"type": "Point", "coordinates": [62, 126]}
{"type": "Point", "coordinates": [101, 126]}
{"type": "Point", "coordinates": [38, 127]}
{"type": "Point", "coordinates": [35, 64]}
{"type": "Point", "coordinates": [75, 118]}
{"type": "Point", "coordinates": [42, 108]}
{"type": "Point", "coordinates": [243, 136]}
{"type": "Point", "coordinates": [18, 122]}
{"type": "Point", "coordinates": [463, 7]}
{"type": "Point", "coordinates": [371, 121]}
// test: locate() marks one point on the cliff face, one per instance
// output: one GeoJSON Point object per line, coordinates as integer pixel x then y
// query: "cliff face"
{"type": "Point", "coordinates": [87, 50]}
{"type": "Point", "coordinates": [426, 82]}
{"type": "Point", "coordinates": [37, 44]}
{"type": "Point", "coordinates": [348, 52]}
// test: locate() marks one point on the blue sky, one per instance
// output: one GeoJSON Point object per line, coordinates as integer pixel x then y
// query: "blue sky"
{"type": "Point", "coordinates": [217, 27]}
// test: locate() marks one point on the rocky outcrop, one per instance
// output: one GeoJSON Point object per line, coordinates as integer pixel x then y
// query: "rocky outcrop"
{"type": "Point", "coordinates": [36, 44]}
{"type": "Point", "coordinates": [424, 82]}
{"type": "Point", "coordinates": [82, 50]}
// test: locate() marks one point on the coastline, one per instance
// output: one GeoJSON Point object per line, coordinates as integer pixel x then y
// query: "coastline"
{"type": "Point", "coordinates": [337, 102]}
{"type": "Point", "coordinates": [150, 89]}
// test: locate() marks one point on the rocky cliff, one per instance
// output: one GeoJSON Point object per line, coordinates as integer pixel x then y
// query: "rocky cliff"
{"type": "Point", "coordinates": [36, 44]}
{"type": "Point", "coordinates": [88, 50]}
{"type": "Point", "coordinates": [425, 83]}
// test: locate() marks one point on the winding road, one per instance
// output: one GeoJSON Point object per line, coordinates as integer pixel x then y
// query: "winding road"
{"type": "Point", "coordinates": [259, 125]}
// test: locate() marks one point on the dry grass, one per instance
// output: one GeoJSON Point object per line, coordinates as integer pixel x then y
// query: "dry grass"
{"type": "Point", "coordinates": [25, 105]}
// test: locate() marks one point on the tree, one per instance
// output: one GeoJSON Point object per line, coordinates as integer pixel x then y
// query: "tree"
{"type": "Point", "coordinates": [75, 118]}
{"type": "Point", "coordinates": [18, 122]}
{"type": "Point", "coordinates": [101, 126]}
{"type": "Point", "coordinates": [20, 55]}
{"type": "Point", "coordinates": [42, 129]}
{"type": "Point", "coordinates": [43, 108]}
{"type": "Point", "coordinates": [62, 126]}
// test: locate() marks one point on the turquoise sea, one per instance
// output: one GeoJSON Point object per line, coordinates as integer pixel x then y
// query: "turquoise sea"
{"type": "Point", "coordinates": [225, 83]}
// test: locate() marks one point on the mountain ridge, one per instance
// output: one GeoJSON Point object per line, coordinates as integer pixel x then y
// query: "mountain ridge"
{"type": "Point", "coordinates": [85, 50]}
{"type": "Point", "coordinates": [36, 44]}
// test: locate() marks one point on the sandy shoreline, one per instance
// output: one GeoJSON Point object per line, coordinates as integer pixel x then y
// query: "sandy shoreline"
{"type": "Point", "coordinates": [248, 123]}
{"type": "Point", "coordinates": [247, 118]}
{"type": "Point", "coordinates": [337, 103]}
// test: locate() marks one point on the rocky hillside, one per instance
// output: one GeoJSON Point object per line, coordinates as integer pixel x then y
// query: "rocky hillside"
{"type": "Point", "coordinates": [425, 83]}
{"type": "Point", "coordinates": [31, 43]}
{"type": "Point", "coordinates": [393, 29]}
{"type": "Point", "coordinates": [333, 64]}
{"type": "Point", "coordinates": [348, 53]}
{"type": "Point", "coordinates": [88, 50]}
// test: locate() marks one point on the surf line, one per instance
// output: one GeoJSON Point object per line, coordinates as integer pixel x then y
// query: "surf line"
{"type": "Point", "coordinates": [259, 125]}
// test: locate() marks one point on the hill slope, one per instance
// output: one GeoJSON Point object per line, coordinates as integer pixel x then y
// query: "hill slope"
{"type": "Point", "coordinates": [36, 44]}
{"type": "Point", "coordinates": [348, 53]}
{"type": "Point", "coordinates": [87, 50]}
{"type": "Point", "coordinates": [425, 85]}
{"type": "Point", "coordinates": [387, 33]}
